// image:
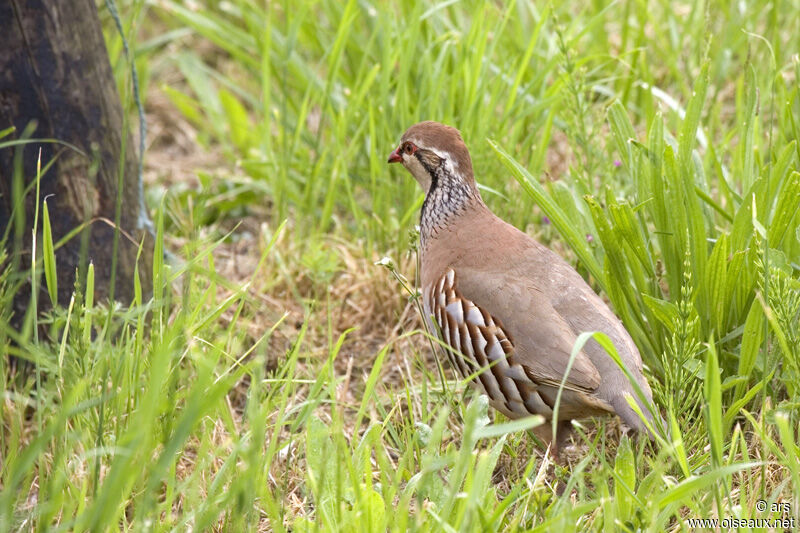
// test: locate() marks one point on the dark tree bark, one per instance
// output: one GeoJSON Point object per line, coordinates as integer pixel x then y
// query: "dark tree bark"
{"type": "Point", "coordinates": [55, 74]}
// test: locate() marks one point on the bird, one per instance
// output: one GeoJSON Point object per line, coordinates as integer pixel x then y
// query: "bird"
{"type": "Point", "coordinates": [509, 308]}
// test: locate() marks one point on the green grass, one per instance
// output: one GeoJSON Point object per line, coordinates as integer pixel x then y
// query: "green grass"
{"type": "Point", "coordinates": [277, 378]}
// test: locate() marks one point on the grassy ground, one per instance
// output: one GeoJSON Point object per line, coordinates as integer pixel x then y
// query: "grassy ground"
{"type": "Point", "coordinates": [278, 378]}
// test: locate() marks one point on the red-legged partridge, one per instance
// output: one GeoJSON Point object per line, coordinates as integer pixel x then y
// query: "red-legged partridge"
{"type": "Point", "coordinates": [500, 299]}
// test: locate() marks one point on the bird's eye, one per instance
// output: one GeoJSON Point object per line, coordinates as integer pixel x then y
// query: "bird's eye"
{"type": "Point", "coordinates": [409, 148]}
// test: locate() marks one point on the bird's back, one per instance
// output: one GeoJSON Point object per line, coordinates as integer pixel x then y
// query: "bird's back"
{"type": "Point", "coordinates": [543, 303]}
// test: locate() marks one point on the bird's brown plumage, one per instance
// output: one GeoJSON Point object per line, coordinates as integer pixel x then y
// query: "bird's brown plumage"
{"type": "Point", "coordinates": [500, 299]}
{"type": "Point", "coordinates": [444, 138]}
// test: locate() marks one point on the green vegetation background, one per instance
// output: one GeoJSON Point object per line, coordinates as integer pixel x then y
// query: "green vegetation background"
{"type": "Point", "coordinates": [278, 378]}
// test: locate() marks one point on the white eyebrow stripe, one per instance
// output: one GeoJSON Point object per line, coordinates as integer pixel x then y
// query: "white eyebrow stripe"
{"type": "Point", "coordinates": [448, 158]}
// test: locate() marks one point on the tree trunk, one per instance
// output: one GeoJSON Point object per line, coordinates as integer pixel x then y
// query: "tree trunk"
{"type": "Point", "coordinates": [55, 78]}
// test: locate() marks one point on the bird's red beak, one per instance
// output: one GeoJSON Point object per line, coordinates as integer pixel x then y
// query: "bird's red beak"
{"type": "Point", "coordinates": [395, 156]}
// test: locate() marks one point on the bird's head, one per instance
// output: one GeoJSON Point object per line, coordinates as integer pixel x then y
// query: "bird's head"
{"type": "Point", "coordinates": [433, 152]}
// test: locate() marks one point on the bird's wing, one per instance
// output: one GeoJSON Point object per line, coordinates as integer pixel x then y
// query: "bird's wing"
{"type": "Point", "coordinates": [536, 347]}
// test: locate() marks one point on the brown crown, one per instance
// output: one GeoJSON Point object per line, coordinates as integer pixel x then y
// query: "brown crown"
{"type": "Point", "coordinates": [436, 136]}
